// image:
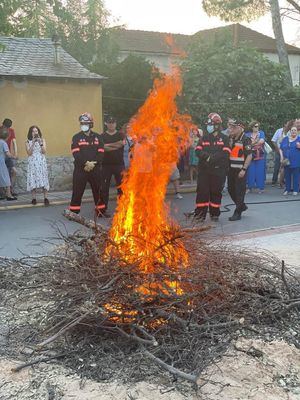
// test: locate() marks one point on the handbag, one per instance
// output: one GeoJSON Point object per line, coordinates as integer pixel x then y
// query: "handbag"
{"type": "Point", "coordinates": [268, 148]}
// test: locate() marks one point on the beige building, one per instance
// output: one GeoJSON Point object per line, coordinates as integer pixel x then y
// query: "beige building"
{"type": "Point", "coordinates": [41, 84]}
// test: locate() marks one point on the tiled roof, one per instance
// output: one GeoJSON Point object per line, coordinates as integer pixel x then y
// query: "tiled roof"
{"type": "Point", "coordinates": [28, 57]}
{"type": "Point", "coordinates": [241, 34]}
{"type": "Point", "coordinates": [150, 42]}
{"type": "Point", "coordinates": [154, 42]}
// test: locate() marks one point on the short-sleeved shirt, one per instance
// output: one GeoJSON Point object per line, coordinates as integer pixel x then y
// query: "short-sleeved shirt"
{"type": "Point", "coordinates": [258, 148]}
{"type": "Point", "coordinates": [114, 157]}
{"type": "Point", "coordinates": [11, 136]}
{"type": "Point", "coordinates": [278, 136]}
{"type": "Point", "coordinates": [291, 151]}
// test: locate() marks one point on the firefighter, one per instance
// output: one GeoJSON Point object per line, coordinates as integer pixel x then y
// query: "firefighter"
{"type": "Point", "coordinates": [88, 151]}
{"type": "Point", "coordinates": [213, 153]}
{"type": "Point", "coordinates": [240, 159]}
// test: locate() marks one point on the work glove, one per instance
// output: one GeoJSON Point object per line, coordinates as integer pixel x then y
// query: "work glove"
{"type": "Point", "coordinates": [89, 166]}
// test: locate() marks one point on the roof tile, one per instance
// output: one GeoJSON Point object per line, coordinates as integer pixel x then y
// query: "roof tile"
{"type": "Point", "coordinates": [35, 57]}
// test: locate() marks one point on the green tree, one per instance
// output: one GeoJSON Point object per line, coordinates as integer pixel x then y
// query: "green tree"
{"type": "Point", "coordinates": [127, 87]}
{"type": "Point", "coordinates": [247, 10]}
{"type": "Point", "coordinates": [81, 24]}
{"type": "Point", "coordinates": [237, 82]}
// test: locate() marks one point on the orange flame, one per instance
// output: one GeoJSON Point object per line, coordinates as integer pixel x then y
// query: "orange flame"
{"type": "Point", "coordinates": [142, 228]}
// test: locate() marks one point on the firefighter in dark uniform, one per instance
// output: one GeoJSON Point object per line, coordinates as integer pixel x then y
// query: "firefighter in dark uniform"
{"type": "Point", "coordinates": [213, 153]}
{"type": "Point", "coordinates": [240, 159]}
{"type": "Point", "coordinates": [88, 152]}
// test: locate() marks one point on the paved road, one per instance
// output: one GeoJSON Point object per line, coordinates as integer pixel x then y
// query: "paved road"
{"type": "Point", "coordinates": [34, 231]}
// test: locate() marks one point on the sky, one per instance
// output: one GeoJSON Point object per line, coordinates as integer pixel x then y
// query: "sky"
{"type": "Point", "coordinates": [184, 16]}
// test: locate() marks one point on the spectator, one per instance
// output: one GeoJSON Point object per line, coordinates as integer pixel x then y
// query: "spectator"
{"type": "Point", "coordinates": [113, 162]}
{"type": "Point", "coordinates": [37, 174]}
{"type": "Point", "coordinates": [297, 125]}
{"type": "Point", "coordinates": [256, 170]}
{"type": "Point", "coordinates": [277, 138]}
{"type": "Point", "coordinates": [174, 178]}
{"type": "Point", "coordinates": [127, 146]}
{"type": "Point", "coordinates": [5, 182]}
{"type": "Point", "coordinates": [193, 159]}
{"type": "Point", "coordinates": [290, 159]}
{"type": "Point", "coordinates": [12, 147]}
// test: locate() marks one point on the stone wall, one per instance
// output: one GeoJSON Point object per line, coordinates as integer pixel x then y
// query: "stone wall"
{"type": "Point", "coordinates": [60, 170]}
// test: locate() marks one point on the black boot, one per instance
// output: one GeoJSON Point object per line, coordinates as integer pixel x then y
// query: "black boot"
{"type": "Point", "coordinates": [244, 207]}
{"type": "Point", "coordinates": [235, 217]}
{"type": "Point", "coordinates": [199, 216]}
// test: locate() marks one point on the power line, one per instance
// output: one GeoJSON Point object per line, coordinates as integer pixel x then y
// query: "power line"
{"type": "Point", "coordinates": [214, 103]}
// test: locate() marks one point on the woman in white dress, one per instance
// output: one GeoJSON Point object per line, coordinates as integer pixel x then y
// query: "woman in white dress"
{"type": "Point", "coordinates": [37, 173]}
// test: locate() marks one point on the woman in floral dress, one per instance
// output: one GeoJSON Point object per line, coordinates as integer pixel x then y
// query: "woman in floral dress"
{"type": "Point", "coordinates": [37, 173]}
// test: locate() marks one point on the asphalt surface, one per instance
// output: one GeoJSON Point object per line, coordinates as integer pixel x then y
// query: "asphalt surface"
{"type": "Point", "coordinates": [33, 231]}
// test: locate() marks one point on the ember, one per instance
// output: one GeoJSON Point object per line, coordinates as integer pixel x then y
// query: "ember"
{"type": "Point", "coordinates": [142, 231]}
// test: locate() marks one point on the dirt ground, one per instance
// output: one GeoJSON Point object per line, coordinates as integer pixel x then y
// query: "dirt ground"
{"type": "Point", "coordinates": [251, 369]}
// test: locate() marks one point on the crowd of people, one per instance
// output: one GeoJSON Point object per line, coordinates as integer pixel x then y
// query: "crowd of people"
{"type": "Point", "coordinates": [219, 158]}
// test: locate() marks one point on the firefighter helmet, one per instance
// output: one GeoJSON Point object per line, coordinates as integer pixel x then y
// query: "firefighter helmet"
{"type": "Point", "coordinates": [214, 119]}
{"type": "Point", "coordinates": [86, 118]}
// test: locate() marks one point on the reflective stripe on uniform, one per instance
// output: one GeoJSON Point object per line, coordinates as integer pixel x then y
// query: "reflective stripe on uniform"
{"type": "Point", "coordinates": [100, 150]}
{"type": "Point", "coordinates": [75, 150]}
{"type": "Point", "coordinates": [199, 148]}
{"type": "Point", "coordinates": [100, 206]}
{"type": "Point", "coordinates": [83, 143]}
{"type": "Point", "coordinates": [227, 149]}
{"type": "Point", "coordinates": [202, 204]}
{"type": "Point", "coordinates": [215, 205]}
{"type": "Point", "coordinates": [75, 208]}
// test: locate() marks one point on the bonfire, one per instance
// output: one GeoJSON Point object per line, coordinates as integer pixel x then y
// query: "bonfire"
{"type": "Point", "coordinates": [142, 228]}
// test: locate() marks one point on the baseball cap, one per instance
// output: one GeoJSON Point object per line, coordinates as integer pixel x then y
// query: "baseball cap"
{"type": "Point", "coordinates": [236, 122]}
{"type": "Point", "coordinates": [110, 119]}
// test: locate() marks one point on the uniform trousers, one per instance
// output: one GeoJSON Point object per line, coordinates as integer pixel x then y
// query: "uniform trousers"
{"type": "Point", "coordinates": [209, 193]}
{"type": "Point", "coordinates": [108, 171]}
{"type": "Point", "coordinates": [237, 189]}
{"type": "Point", "coordinates": [80, 179]}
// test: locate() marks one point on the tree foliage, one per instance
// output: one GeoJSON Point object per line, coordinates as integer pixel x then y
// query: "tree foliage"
{"type": "Point", "coordinates": [127, 87]}
{"type": "Point", "coordinates": [82, 25]}
{"type": "Point", "coordinates": [235, 10]}
{"type": "Point", "coordinates": [237, 82]}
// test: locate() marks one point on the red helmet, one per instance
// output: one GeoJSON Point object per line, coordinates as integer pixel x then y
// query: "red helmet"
{"type": "Point", "coordinates": [214, 118]}
{"type": "Point", "coordinates": [86, 118]}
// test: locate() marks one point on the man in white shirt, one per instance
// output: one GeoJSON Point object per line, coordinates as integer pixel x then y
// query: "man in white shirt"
{"type": "Point", "coordinates": [276, 140]}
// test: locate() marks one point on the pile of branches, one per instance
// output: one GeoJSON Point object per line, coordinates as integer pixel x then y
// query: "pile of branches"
{"type": "Point", "coordinates": [181, 318]}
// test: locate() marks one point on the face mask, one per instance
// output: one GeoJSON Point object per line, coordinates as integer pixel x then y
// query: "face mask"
{"type": "Point", "coordinates": [84, 128]}
{"type": "Point", "coordinates": [210, 128]}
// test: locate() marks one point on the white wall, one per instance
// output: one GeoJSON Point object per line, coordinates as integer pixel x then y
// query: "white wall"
{"type": "Point", "coordinates": [294, 60]}
{"type": "Point", "coordinates": [162, 61]}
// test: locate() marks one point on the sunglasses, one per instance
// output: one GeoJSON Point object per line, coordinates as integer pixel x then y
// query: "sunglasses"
{"type": "Point", "coordinates": [256, 126]}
